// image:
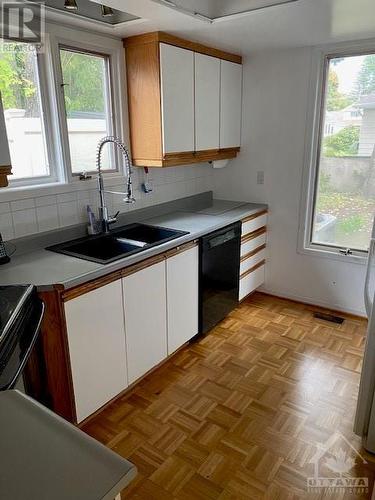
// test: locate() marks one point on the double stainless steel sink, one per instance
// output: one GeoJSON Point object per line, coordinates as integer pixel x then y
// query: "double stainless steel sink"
{"type": "Point", "coordinates": [119, 243]}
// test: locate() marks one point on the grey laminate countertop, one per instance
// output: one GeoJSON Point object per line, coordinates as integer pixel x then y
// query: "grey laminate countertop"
{"type": "Point", "coordinates": [44, 268]}
{"type": "Point", "coordinates": [43, 457]}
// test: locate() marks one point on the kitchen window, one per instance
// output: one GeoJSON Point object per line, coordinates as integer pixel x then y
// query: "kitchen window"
{"type": "Point", "coordinates": [88, 107]}
{"type": "Point", "coordinates": [24, 113]}
{"type": "Point", "coordinates": [58, 103]}
{"type": "Point", "coordinates": [341, 205]}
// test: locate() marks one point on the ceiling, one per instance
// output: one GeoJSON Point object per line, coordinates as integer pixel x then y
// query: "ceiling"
{"type": "Point", "coordinates": [298, 23]}
{"type": "Point", "coordinates": [211, 10]}
{"type": "Point", "coordinates": [88, 10]}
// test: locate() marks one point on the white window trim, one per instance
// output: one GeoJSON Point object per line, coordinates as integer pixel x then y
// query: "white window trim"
{"type": "Point", "coordinates": [49, 67]}
{"type": "Point", "coordinates": [113, 95]}
{"type": "Point", "coordinates": [312, 143]}
{"type": "Point", "coordinates": [47, 126]}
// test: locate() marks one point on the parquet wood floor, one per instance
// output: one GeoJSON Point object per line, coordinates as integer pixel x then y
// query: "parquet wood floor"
{"type": "Point", "coordinates": [241, 413]}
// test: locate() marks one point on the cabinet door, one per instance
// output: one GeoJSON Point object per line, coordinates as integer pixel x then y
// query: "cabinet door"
{"type": "Point", "coordinates": [96, 337]}
{"type": "Point", "coordinates": [230, 104]}
{"type": "Point", "coordinates": [182, 298]}
{"type": "Point", "coordinates": [144, 294]}
{"type": "Point", "coordinates": [177, 98]}
{"type": "Point", "coordinates": [207, 102]}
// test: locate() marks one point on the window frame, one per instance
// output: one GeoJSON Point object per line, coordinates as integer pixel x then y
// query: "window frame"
{"type": "Point", "coordinates": [313, 142]}
{"type": "Point", "coordinates": [84, 48]}
{"type": "Point", "coordinates": [47, 127]}
{"type": "Point", "coordinates": [49, 73]}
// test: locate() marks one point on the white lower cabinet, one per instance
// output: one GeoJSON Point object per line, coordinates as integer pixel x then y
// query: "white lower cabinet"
{"type": "Point", "coordinates": [96, 338]}
{"type": "Point", "coordinates": [120, 331]}
{"type": "Point", "coordinates": [253, 253]}
{"type": "Point", "coordinates": [144, 296]}
{"type": "Point", "coordinates": [182, 297]}
{"type": "Point", "coordinates": [251, 282]}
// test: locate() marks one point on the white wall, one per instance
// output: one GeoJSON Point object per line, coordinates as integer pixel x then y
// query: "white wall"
{"type": "Point", "coordinates": [276, 92]}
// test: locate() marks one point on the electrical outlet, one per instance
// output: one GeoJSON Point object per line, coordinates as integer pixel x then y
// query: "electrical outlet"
{"type": "Point", "coordinates": [260, 177]}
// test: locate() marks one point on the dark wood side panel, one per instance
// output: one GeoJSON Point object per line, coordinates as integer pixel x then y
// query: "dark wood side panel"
{"type": "Point", "coordinates": [51, 361]}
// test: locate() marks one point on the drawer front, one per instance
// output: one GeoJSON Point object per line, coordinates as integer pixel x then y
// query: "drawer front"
{"type": "Point", "coordinates": [254, 224]}
{"type": "Point", "coordinates": [252, 261]}
{"type": "Point", "coordinates": [253, 244]}
{"type": "Point", "coordinates": [251, 282]}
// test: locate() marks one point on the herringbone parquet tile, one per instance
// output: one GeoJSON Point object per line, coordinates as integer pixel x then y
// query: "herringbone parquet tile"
{"type": "Point", "coordinates": [243, 412]}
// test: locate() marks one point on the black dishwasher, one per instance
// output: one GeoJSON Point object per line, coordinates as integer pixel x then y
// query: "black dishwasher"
{"type": "Point", "coordinates": [219, 275]}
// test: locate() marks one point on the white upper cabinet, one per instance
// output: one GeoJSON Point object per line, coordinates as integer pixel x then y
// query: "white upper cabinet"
{"type": "Point", "coordinates": [144, 295]}
{"type": "Point", "coordinates": [182, 297]}
{"type": "Point", "coordinates": [96, 338]}
{"type": "Point", "coordinates": [207, 102]}
{"type": "Point", "coordinates": [177, 98]}
{"type": "Point", "coordinates": [230, 104]}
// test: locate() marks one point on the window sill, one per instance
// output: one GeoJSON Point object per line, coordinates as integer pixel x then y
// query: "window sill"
{"type": "Point", "coordinates": [333, 255]}
{"type": "Point", "coordinates": [12, 192]}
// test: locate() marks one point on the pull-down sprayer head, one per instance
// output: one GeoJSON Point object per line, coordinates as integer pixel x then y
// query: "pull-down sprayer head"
{"type": "Point", "coordinates": [129, 198]}
{"type": "Point", "coordinates": [105, 218]}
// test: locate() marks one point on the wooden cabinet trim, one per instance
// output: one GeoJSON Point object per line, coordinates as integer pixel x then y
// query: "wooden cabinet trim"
{"type": "Point", "coordinates": [252, 269]}
{"type": "Point", "coordinates": [254, 216]}
{"type": "Point", "coordinates": [75, 292]}
{"type": "Point", "coordinates": [184, 154]}
{"type": "Point", "coordinates": [142, 265]}
{"type": "Point", "coordinates": [181, 249]}
{"type": "Point", "coordinates": [162, 37]}
{"type": "Point", "coordinates": [79, 290]}
{"type": "Point", "coordinates": [5, 170]}
{"type": "Point", "coordinates": [179, 159]}
{"type": "Point", "coordinates": [253, 235]}
{"type": "Point", "coordinates": [254, 252]}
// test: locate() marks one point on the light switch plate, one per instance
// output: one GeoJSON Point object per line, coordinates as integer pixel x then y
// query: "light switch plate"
{"type": "Point", "coordinates": [260, 177]}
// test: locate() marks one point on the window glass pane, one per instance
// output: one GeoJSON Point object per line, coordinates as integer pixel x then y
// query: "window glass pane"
{"type": "Point", "coordinates": [345, 194]}
{"type": "Point", "coordinates": [87, 105]}
{"type": "Point", "coordinates": [19, 89]}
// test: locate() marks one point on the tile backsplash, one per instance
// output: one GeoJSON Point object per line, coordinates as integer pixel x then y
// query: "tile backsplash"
{"type": "Point", "coordinates": [44, 213]}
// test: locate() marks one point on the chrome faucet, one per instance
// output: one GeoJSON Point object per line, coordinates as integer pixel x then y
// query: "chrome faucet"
{"type": "Point", "coordinates": [105, 218]}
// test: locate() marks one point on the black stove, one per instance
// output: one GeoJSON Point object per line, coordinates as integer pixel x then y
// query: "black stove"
{"type": "Point", "coordinates": [21, 313]}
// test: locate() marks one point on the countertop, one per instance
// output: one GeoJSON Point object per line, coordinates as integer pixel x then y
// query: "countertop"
{"type": "Point", "coordinates": [43, 457]}
{"type": "Point", "coordinates": [44, 268]}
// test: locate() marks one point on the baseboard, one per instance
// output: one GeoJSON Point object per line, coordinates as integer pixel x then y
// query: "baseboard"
{"type": "Point", "coordinates": [312, 302]}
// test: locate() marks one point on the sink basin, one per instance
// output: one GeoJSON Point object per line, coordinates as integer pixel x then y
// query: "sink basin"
{"type": "Point", "coordinates": [147, 235]}
{"type": "Point", "coordinates": [120, 243]}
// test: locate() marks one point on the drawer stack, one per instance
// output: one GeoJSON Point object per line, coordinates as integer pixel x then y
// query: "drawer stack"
{"type": "Point", "coordinates": [253, 253]}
